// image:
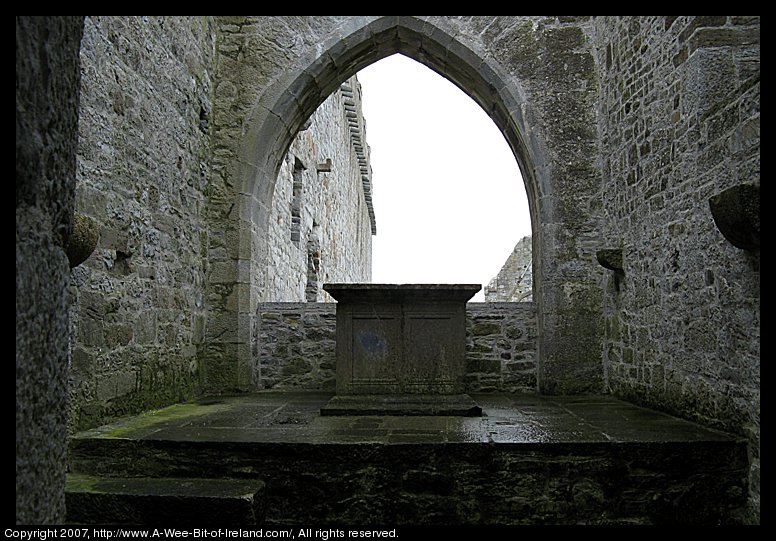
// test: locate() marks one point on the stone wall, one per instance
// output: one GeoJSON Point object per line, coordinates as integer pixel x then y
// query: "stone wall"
{"type": "Point", "coordinates": [535, 76]}
{"type": "Point", "coordinates": [501, 349]}
{"type": "Point", "coordinates": [624, 128]}
{"type": "Point", "coordinates": [46, 134]}
{"type": "Point", "coordinates": [252, 51]}
{"type": "Point", "coordinates": [514, 282]}
{"type": "Point", "coordinates": [680, 122]}
{"type": "Point", "coordinates": [322, 219]}
{"type": "Point", "coordinates": [139, 301]}
{"type": "Point", "coordinates": [298, 346]}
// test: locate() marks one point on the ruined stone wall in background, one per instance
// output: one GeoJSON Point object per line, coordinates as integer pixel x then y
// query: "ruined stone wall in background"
{"type": "Point", "coordinates": [679, 123]}
{"type": "Point", "coordinates": [321, 220]}
{"type": "Point", "coordinates": [298, 346]}
{"type": "Point", "coordinates": [143, 158]}
{"type": "Point", "coordinates": [514, 282]}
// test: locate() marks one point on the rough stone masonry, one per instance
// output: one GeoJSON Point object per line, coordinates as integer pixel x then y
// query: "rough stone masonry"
{"type": "Point", "coordinates": [322, 218]}
{"type": "Point", "coordinates": [170, 133]}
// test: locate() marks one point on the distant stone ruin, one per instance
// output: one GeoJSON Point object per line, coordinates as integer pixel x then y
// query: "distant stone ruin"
{"type": "Point", "coordinates": [514, 282]}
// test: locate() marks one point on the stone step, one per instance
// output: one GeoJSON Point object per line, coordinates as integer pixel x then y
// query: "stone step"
{"type": "Point", "coordinates": [163, 501]}
{"type": "Point", "coordinates": [527, 460]}
{"type": "Point", "coordinates": [433, 483]}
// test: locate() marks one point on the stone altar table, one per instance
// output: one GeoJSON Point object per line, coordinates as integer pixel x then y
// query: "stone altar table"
{"type": "Point", "coordinates": [401, 349]}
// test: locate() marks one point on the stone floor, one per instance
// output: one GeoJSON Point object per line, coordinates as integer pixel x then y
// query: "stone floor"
{"type": "Point", "coordinates": [527, 460]}
{"type": "Point", "coordinates": [295, 417]}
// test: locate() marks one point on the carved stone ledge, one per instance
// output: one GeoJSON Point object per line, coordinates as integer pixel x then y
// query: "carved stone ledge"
{"type": "Point", "coordinates": [610, 258]}
{"type": "Point", "coordinates": [83, 239]}
{"type": "Point", "coordinates": [324, 167]}
{"type": "Point", "coordinates": [736, 213]}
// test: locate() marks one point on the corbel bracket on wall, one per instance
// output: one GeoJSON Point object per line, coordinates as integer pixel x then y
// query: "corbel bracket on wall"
{"type": "Point", "coordinates": [736, 213]}
{"type": "Point", "coordinates": [611, 258]}
{"type": "Point", "coordinates": [83, 239]}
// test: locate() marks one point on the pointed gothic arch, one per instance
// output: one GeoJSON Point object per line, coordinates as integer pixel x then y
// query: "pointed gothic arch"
{"type": "Point", "coordinates": [311, 77]}
{"type": "Point", "coordinates": [287, 104]}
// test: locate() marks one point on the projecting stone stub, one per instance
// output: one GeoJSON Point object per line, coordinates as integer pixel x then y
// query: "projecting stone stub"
{"type": "Point", "coordinates": [401, 349]}
{"type": "Point", "coordinates": [83, 239]}
{"type": "Point", "coordinates": [736, 213]}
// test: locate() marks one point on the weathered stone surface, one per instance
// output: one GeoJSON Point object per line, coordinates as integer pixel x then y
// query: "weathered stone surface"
{"type": "Point", "coordinates": [322, 218]}
{"type": "Point", "coordinates": [403, 405]}
{"type": "Point", "coordinates": [504, 359]}
{"type": "Point", "coordinates": [624, 128]}
{"type": "Point", "coordinates": [514, 282]}
{"type": "Point", "coordinates": [142, 177]}
{"type": "Point", "coordinates": [292, 334]}
{"type": "Point", "coordinates": [47, 85]}
{"type": "Point", "coordinates": [680, 97]}
{"type": "Point", "coordinates": [401, 339]}
{"type": "Point", "coordinates": [83, 239]}
{"type": "Point", "coordinates": [157, 501]}
{"type": "Point", "coordinates": [298, 346]}
{"type": "Point", "coordinates": [503, 63]}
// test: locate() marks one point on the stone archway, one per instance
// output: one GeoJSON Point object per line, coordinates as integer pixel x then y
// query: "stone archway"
{"type": "Point", "coordinates": [305, 81]}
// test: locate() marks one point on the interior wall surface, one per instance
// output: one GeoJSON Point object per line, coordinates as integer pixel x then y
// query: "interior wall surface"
{"type": "Point", "coordinates": [680, 123]}
{"type": "Point", "coordinates": [139, 301]}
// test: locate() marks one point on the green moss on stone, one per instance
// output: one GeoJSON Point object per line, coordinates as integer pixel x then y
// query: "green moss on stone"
{"type": "Point", "coordinates": [81, 483]}
{"type": "Point", "coordinates": [150, 419]}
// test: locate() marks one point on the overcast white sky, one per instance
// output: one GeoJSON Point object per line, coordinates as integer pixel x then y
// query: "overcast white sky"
{"type": "Point", "coordinates": [449, 200]}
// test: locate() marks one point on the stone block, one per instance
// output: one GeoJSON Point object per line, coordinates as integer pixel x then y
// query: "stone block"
{"type": "Point", "coordinates": [514, 331]}
{"type": "Point", "coordinates": [82, 361]}
{"type": "Point", "coordinates": [221, 327]}
{"type": "Point", "coordinates": [198, 328]}
{"type": "Point", "coordinates": [143, 500]}
{"type": "Point", "coordinates": [144, 328]}
{"type": "Point", "coordinates": [484, 329]}
{"type": "Point", "coordinates": [400, 339]}
{"type": "Point", "coordinates": [491, 366]}
{"type": "Point", "coordinates": [90, 333]}
{"type": "Point", "coordinates": [117, 335]}
{"type": "Point", "coordinates": [223, 272]}
{"type": "Point", "coordinates": [114, 385]}
{"type": "Point", "coordinates": [724, 37]}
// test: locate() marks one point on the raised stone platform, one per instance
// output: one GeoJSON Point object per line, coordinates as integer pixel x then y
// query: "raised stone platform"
{"type": "Point", "coordinates": [527, 460]}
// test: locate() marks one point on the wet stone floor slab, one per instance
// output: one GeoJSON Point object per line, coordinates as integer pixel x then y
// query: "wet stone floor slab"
{"type": "Point", "coordinates": [293, 417]}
